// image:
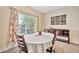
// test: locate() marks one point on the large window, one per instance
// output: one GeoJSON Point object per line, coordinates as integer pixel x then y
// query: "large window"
{"type": "Point", "coordinates": [27, 23]}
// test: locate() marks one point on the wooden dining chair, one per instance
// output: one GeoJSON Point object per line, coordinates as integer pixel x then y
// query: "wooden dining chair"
{"type": "Point", "coordinates": [51, 48]}
{"type": "Point", "coordinates": [21, 44]}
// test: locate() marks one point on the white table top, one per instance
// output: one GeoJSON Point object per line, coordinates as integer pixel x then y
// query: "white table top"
{"type": "Point", "coordinates": [38, 39]}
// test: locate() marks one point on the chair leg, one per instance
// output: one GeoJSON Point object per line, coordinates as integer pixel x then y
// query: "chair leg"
{"type": "Point", "coordinates": [54, 51]}
{"type": "Point", "coordinates": [51, 50]}
{"type": "Point", "coordinates": [19, 51]}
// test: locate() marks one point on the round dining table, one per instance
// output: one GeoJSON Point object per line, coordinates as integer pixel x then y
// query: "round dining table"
{"type": "Point", "coordinates": [38, 43]}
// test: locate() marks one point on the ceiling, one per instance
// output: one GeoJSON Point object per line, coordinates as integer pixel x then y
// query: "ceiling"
{"type": "Point", "coordinates": [45, 9]}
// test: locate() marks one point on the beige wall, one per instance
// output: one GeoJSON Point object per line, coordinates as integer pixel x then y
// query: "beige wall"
{"type": "Point", "coordinates": [4, 19]}
{"type": "Point", "coordinates": [72, 21]}
{"type": "Point", "coordinates": [4, 24]}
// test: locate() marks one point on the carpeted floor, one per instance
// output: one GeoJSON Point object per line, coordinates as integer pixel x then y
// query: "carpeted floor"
{"type": "Point", "coordinates": [60, 47]}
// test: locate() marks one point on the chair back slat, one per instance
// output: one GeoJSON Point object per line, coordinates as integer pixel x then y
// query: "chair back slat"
{"type": "Point", "coordinates": [21, 43]}
{"type": "Point", "coordinates": [54, 38]}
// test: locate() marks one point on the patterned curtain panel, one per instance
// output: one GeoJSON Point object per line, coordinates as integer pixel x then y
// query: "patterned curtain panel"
{"type": "Point", "coordinates": [13, 24]}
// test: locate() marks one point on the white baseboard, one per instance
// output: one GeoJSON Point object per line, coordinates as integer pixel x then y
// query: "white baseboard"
{"type": "Point", "coordinates": [7, 48]}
